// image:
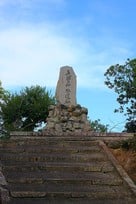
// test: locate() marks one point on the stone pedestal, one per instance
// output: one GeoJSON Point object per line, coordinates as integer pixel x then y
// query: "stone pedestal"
{"type": "Point", "coordinates": [67, 119]}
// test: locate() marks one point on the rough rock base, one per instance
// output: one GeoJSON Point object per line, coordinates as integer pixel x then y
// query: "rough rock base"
{"type": "Point", "coordinates": [67, 119]}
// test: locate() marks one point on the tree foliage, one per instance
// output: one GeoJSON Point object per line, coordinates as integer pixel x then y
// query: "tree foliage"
{"type": "Point", "coordinates": [122, 78]}
{"type": "Point", "coordinates": [130, 126]}
{"type": "Point", "coordinates": [26, 110]}
{"type": "Point", "coordinates": [97, 126]}
{"type": "Point", "coordinates": [129, 144]}
{"type": "Point", "coordinates": [2, 92]}
{"type": "Point", "coordinates": [3, 96]}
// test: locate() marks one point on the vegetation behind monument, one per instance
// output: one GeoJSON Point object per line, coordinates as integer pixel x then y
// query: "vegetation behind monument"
{"type": "Point", "coordinates": [122, 79]}
{"type": "Point", "coordinates": [26, 110]}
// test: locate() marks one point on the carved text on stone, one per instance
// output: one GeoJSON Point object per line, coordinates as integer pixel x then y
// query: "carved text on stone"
{"type": "Point", "coordinates": [67, 87]}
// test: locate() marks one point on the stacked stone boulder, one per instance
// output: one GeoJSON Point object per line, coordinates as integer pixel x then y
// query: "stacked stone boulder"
{"type": "Point", "coordinates": [67, 119]}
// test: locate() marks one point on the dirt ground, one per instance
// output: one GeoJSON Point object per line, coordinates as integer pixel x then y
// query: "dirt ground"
{"type": "Point", "coordinates": [127, 159]}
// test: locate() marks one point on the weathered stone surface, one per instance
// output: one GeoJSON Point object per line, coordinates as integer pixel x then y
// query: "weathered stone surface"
{"type": "Point", "coordinates": [67, 116]}
{"type": "Point", "coordinates": [68, 119]}
{"type": "Point", "coordinates": [4, 196]}
{"type": "Point", "coordinates": [4, 193]}
{"type": "Point", "coordinates": [66, 86]}
{"type": "Point", "coordinates": [62, 168]}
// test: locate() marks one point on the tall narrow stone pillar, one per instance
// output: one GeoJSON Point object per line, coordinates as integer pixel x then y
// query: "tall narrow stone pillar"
{"type": "Point", "coordinates": [66, 87]}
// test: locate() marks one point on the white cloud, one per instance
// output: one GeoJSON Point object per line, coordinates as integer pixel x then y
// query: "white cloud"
{"type": "Point", "coordinates": [33, 56]}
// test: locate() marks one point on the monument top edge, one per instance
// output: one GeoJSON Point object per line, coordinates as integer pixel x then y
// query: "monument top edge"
{"type": "Point", "coordinates": [66, 67]}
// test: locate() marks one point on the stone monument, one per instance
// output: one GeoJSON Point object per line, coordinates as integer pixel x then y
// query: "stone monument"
{"type": "Point", "coordinates": [67, 117]}
{"type": "Point", "coordinates": [66, 87]}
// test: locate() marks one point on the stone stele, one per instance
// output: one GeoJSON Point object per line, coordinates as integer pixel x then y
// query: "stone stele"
{"type": "Point", "coordinates": [67, 117]}
{"type": "Point", "coordinates": [66, 87]}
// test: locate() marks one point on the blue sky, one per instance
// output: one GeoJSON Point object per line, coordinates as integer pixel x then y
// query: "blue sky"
{"type": "Point", "coordinates": [37, 37]}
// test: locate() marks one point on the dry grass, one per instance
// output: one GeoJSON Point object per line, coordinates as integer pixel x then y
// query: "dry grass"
{"type": "Point", "coordinates": [126, 158]}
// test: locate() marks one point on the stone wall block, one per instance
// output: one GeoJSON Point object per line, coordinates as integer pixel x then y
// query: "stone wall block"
{"type": "Point", "coordinates": [67, 119]}
{"type": "Point", "coordinates": [84, 117]}
{"type": "Point", "coordinates": [76, 113]}
{"type": "Point", "coordinates": [84, 110]}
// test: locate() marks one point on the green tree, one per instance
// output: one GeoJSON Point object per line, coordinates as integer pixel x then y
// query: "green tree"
{"type": "Point", "coordinates": [26, 110]}
{"type": "Point", "coordinates": [122, 79]}
{"type": "Point", "coordinates": [1, 91]}
{"type": "Point", "coordinates": [96, 126]}
{"type": "Point", "coordinates": [130, 126]}
{"type": "Point", "coordinates": [3, 96]}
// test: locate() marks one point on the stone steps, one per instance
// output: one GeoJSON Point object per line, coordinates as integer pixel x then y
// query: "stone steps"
{"type": "Point", "coordinates": [77, 192]}
{"type": "Point", "coordinates": [43, 177]}
{"type": "Point", "coordinates": [44, 149]}
{"type": "Point", "coordinates": [47, 170]}
{"type": "Point", "coordinates": [50, 142]}
{"type": "Point", "coordinates": [8, 157]}
{"type": "Point", "coordinates": [75, 200]}
{"type": "Point", "coordinates": [94, 166]}
{"type": "Point", "coordinates": [67, 182]}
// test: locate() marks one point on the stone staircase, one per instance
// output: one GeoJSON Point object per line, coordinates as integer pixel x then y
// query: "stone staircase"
{"type": "Point", "coordinates": [59, 170]}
